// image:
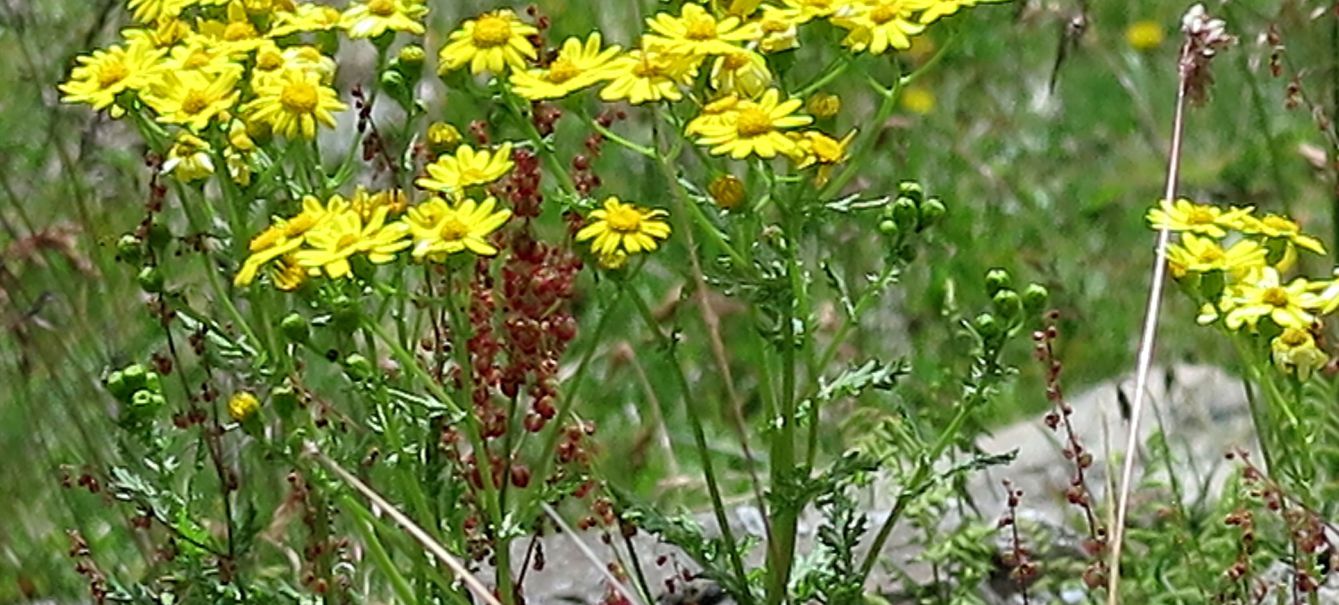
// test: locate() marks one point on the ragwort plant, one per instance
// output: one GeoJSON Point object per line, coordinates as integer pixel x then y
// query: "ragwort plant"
{"type": "Point", "coordinates": [377, 324]}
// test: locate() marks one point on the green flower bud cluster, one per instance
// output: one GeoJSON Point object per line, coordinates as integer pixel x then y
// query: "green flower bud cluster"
{"type": "Point", "coordinates": [910, 213]}
{"type": "Point", "coordinates": [139, 391]}
{"type": "Point", "coordinates": [1009, 307]}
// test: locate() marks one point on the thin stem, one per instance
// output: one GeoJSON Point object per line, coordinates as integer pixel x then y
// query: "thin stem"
{"type": "Point", "coordinates": [1145, 358]}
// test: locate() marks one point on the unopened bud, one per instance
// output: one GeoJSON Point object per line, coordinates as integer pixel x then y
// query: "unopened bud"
{"type": "Point", "coordinates": [242, 406]}
{"type": "Point", "coordinates": [824, 105]}
{"type": "Point", "coordinates": [1035, 297]}
{"type": "Point", "coordinates": [932, 211]}
{"type": "Point", "coordinates": [905, 213]}
{"type": "Point", "coordinates": [996, 280]}
{"type": "Point", "coordinates": [150, 280]}
{"type": "Point", "coordinates": [443, 137]}
{"type": "Point", "coordinates": [295, 328]}
{"type": "Point", "coordinates": [727, 191]}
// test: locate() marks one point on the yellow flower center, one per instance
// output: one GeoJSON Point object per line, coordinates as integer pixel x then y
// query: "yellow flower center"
{"type": "Point", "coordinates": [238, 30]}
{"type": "Point", "coordinates": [1275, 296]}
{"type": "Point", "coordinates": [269, 60]}
{"type": "Point", "coordinates": [113, 71]}
{"type": "Point", "coordinates": [381, 8]}
{"type": "Point", "coordinates": [348, 240]}
{"type": "Point", "coordinates": [1201, 216]}
{"type": "Point", "coordinates": [624, 219]}
{"type": "Point", "coordinates": [1212, 254]}
{"type": "Point", "coordinates": [753, 122]}
{"type": "Point", "coordinates": [1295, 338]}
{"type": "Point", "coordinates": [299, 97]}
{"type": "Point", "coordinates": [490, 31]}
{"type": "Point", "coordinates": [735, 61]}
{"type": "Point", "coordinates": [883, 14]}
{"type": "Point", "coordinates": [453, 229]}
{"type": "Point", "coordinates": [195, 102]}
{"type": "Point", "coordinates": [700, 28]}
{"type": "Point", "coordinates": [646, 68]}
{"type": "Point", "coordinates": [562, 69]}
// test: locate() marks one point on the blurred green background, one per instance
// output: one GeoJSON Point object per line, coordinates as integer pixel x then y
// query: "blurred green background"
{"type": "Point", "coordinates": [1050, 183]}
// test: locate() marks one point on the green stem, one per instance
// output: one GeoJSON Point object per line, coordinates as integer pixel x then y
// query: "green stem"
{"type": "Point", "coordinates": [363, 525]}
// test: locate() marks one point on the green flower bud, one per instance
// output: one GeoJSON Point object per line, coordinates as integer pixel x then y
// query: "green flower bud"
{"type": "Point", "coordinates": [1008, 304]}
{"type": "Point", "coordinates": [358, 367]}
{"type": "Point", "coordinates": [159, 236]}
{"type": "Point", "coordinates": [135, 377]}
{"type": "Point", "coordinates": [932, 211]}
{"type": "Point", "coordinates": [996, 280]}
{"type": "Point", "coordinates": [295, 328]}
{"type": "Point", "coordinates": [905, 213]}
{"type": "Point", "coordinates": [1035, 297]}
{"type": "Point", "coordinates": [345, 317]}
{"type": "Point", "coordinates": [911, 189]}
{"type": "Point", "coordinates": [987, 326]}
{"type": "Point", "coordinates": [153, 382]}
{"type": "Point", "coordinates": [117, 386]}
{"type": "Point", "coordinates": [150, 280]}
{"type": "Point", "coordinates": [888, 227]}
{"type": "Point", "coordinates": [410, 61]}
{"type": "Point", "coordinates": [130, 249]}
{"type": "Point", "coordinates": [143, 400]}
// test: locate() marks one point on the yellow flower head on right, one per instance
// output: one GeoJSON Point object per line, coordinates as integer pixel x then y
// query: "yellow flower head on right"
{"type": "Point", "coordinates": [642, 76]}
{"type": "Point", "coordinates": [1281, 227]}
{"type": "Point", "coordinates": [153, 11]}
{"type": "Point", "coordinates": [1295, 351]}
{"type": "Point", "coordinates": [577, 66]}
{"type": "Point", "coordinates": [373, 18]}
{"type": "Point", "coordinates": [189, 159]}
{"type": "Point", "coordinates": [1196, 254]}
{"type": "Point", "coordinates": [330, 245]}
{"type": "Point", "coordinates": [492, 43]}
{"type": "Point", "coordinates": [102, 75]}
{"type": "Point", "coordinates": [623, 228]}
{"type": "Point", "coordinates": [294, 103]}
{"type": "Point", "coordinates": [453, 173]}
{"type": "Point", "coordinates": [1188, 217]}
{"type": "Point", "coordinates": [305, 18]}
{"type": "Point", "coordinates": [878, 25]}
{"type": "Point", "coordinates": [756, 128]}
{"type": "Point", "coordinates": [1264, 294]}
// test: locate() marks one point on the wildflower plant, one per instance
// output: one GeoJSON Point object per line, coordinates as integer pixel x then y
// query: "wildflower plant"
{"type": "Point", "coordinates": [378, 288]}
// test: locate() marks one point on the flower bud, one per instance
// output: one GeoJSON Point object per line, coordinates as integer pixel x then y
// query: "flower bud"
{"type": "Point", "coordinates": [911, 189]}
{"type": "Point", "coordinates": [727, 191]}
{"type": "Point", "coordinates": [159, 236]}
{"type": "Point", "coordinates": [824, 105]}
{"type": "Point", "coordinates": [443, 137]}
{"type": "Point", "coordinates": [987, 326]}
{"type": "Point", "coordinates": [932, 211]}
{"type": "Point", "coordinates": [1008, 304]}
{"type": "Point", "coordinates": [116, 385]}
{"type": "Point", "coordinates": [150, 280]}
{"type": "Point", "coordinates": [996, 280]}
{"type": "Point", "coordinates": [134, 377]}
{"type": "Point", "coordinates": [295, 328]}
{"type": "Point", "coordinates": [905, 213]}
{"type": "Point", "coordinates": [243, 406]}
{"type": "Point", "coordinates": [130, 249]}
{"type": "Point", "coordinates": [1035, 297]}
{"type": "Point", "coordinates": [410, 61]}
{"type": "Point", "coordinates": [888, 227]}
{"type": "Point", "coordinates": [358, 367]}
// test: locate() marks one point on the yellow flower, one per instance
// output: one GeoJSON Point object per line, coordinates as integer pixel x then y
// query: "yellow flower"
{"type": "Point", "coordinates": [576, 66]}
{"type": "Point", "coordinates": [287, 275]}
{"type": "Point", "coordinates": [151, 11]}
{"type": "Point", "coordinates": [293, 103]}
{"type": "Point", "coordinates": [1203, 254]}
{"type": "Point", "coordinates": [192, 98]}
{"type": "Point", "coordinates": [918, 99]}
{"type": "Point", "coordinates": [696, 32]}
{"type": "Point", "coordinates": [1295, 350]}
{"type": "Point", "coordinates": [619, 227]}
{"type": "Point", "coordinates": [1281, 227]}
{"type": "Point", "coordinates": [242, 406]}
{"type": "Point", "coordinates": [643, 75]}
{"type": "Point", "coordinates": [813, 147]}
{"type": "Point", "coordinates": [716, 114]}
{"type": "Point", "coordinates": [440, 230]}
{"type": "Point", "coordinates": [305, 18]}
{"type": "Point", "coordinates": [236, 35]}
{"type": "Point", "coordinates": [101, 76]}
{"type": "Point", "coordinates": [375, 17]}
{"type": "Point", "coordinates": [1144, 35]}
{"type": "Point", "coordinates": [330, 245]}
{"type": "Point", "coordinates": [189, 159]}
{"type": "Point", "coordinates": [1264, 295]}
{"type": "Point", "coordinates": [742, 72]}
{"type": "Point", "coordinates": [1189, 217]}
{"type": "Point", "coordinates": [166, 34]}
{"type": "Point", "coordinates": [491, 43]}
{"type": "Point", "coordinates": [803, 11]}
{"type": "Point", "coordinates": [878, 25]}
{"type": "Point", "coordinates": [939, 9]}
{"type": "Point", "coordinates": [453, 173]}
{"type": "Point", "coordinates": [198, 55]}
{"type": "Point", "coordinates": [272, 61]}
{"type": "Point", "coordinates": [727, 191]}
{"type": "Point", "coordinates": [367, 203]}
{"type": "Point", "coordinates": [756, 128]}
{"type": "Point", "coordinates": [285, 236]}
{"type": "Point", "coordinates": [823, 105]}
{"type": "Point", "coordinates": [780, 30]}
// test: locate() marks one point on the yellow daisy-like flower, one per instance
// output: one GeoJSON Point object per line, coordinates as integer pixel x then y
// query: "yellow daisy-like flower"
{"type": "Point", "coordinates": [367, 203]}
{"type": "Point", "coordinates": [192, 98]}
{"type": "Point", "coordinates": [236, 35]}
{"type": "Point", "coordinates": [293, 103]}
{"type": "Point", "coordinates": [440, 229]}
{"type": "Point", "coordinates": [619, 227]}
{"type": "Point", "coordinates": [716, 114]}
{"type": "Point", "coordinates": [800, 12]}
{"type": "Point", "coordinates": [879, 25]}
{"type": "Point", "coordinates": [743, 73]}
{"type": "Point", "coordinates": [272, 61]}
{"type": "Point", "coordinates": [1144, 35]}
{"type": "Point", "coordinates": [151, 11]}
{"type": "Point", "coordinates": [375, 17]}
{"type": "Point", "coordinates": [102, 75]}
{"type": "Point", "coordinates": [577, 66]}
{"type": "Point", "coordinates": [199, 55]}
{"type": "Point", "coordinates": [242, 406]}
{"type": "Point", "coordinates": [331, 244]}
{"type": "Point", "coordinates": [1281, 227]}
{"type": "Point", "coordinates": [642, 76]}
{"type": "Point", "coordinates": [285, 236]}
{"type": "Point", "coordinates": [780, 29]}
{"type": "Point", "coordinates": [1263, 294]}
{"type": "Point", "coordinates": [1202, 254]}
{"type": "Point", "coordinates": [756, 128]}
{"type": "Point", "coordinates": [939, 9]}
{"type": "Point", "coordinates": [189, 159]}
{"type": "Point", "coordinates": [305, 18]}
{"type": "Point", "coordinates": [814, 147]}
{"type": "Point", "coordinates": [167, 33]}
{"type": "Point", "coordinates": [1295, 351]}
{"type": "Point", "coordinates": [1189, 217]}
{"type": "Point", "coordinates": [697, 32]}
{"type": "Point", "coordinates": [490, 43]}
{"type": "Point", "coordinates": [453, 173]}
{"type": "Point", "coordinates": [287, 275]}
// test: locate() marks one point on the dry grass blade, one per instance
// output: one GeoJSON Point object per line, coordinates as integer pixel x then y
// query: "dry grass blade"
{"type": "Point", "coordinates": [590, 554]}
{"type": "Point", "coordinates": [471, 581]}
